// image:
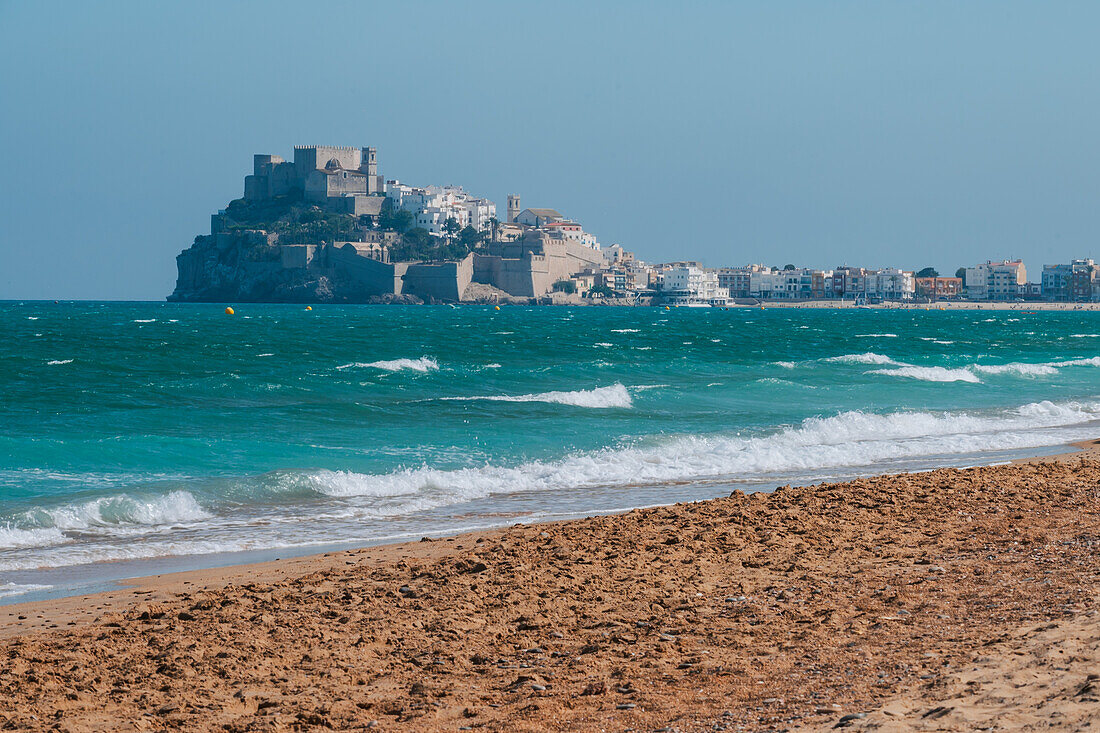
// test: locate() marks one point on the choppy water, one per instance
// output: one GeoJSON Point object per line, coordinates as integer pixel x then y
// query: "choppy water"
{"type": "Point", "coordinates": [146, 430]}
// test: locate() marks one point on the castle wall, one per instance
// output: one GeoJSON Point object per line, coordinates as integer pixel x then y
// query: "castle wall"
{"type": "Point", "coordinates": [530, 267]}
{"type": "Point", "coordinates": [378, 278]}
{"type": "Point", "coordinates": [297, 256]}
{"type": "Point", "coordinates": [312, 158]}
{"type": "Point", "coordinates": [440, 281]}
{"type": "Point", "coordinates": [320, 185]}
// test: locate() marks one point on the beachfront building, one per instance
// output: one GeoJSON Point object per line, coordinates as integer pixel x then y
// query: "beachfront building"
{"type": "Point", "coordinates": [995, 280]}
{"type": "Point", "coordinates": [935, 288]}
{"type": "Point", "coordinates": [1078, 281]}
{"type": "Point", "coordinates": [738, 280]}
{"type": "Point", "coordinates": [690, 285]}
{"type": "Point", "coordinates": [890, 283]}
{"type": "Point", "coordinates": [432, 206]}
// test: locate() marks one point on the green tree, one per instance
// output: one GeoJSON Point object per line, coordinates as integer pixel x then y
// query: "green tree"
{"type": "Point", "coordinates": [565, 286]}
{"type": "Point", "coordinates": [961, 272]}
{"type": "Point", "coordinates": [928, 272]}
{"type": "Point", "coordinates": [395, 220]}
{"type": "Point", "coordinates": [494, 228]}
{"type": "Point", "coordinates": [469, 237]}
{"type": "Point", "coordinates": [788, 267]}
{"type": "Point", "coordinates": [451, 227]}
{"type": "Point", "coordinates": [601, 289]}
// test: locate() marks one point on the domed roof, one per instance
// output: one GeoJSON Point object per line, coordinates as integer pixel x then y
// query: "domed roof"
{"type": "Point", "coordinates": [333, 164]}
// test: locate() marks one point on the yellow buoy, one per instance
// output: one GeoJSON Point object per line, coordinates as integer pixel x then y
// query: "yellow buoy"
{"type": "Point", "coordinates": [496, 307]}
{"type": "Point", "coordinates": [228, 311]}
{"type": "Point", "coordinates": [309, 307]}
{"type": "Point", "coordinates": [666, 307]}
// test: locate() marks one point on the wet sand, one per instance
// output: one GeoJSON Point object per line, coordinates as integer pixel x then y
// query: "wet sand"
{"type": "Point", "coordinates": [951, 599]}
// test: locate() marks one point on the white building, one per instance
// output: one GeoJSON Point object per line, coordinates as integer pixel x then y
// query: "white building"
{"type": "Point", "coordinates": [995, 280]}
{"type": "Point", "coordinates": [693, 286]}
{"type": "Point", "coordinates": [431, 207]}
{"type": "Point", "coordinates": [890, 283]}
{"type": "Point", "coordinates": [573, 232]}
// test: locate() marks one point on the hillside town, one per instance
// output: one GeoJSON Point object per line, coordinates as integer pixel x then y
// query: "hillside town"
{"type": "Point", "coordinates": [328, 227]}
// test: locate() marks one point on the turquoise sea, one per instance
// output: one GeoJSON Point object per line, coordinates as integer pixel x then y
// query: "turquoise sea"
{"type": "Point", "coordinates": [143, 437]}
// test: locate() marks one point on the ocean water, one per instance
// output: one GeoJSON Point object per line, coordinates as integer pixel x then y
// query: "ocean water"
{"type": "Point", "coordinates": [141, 437]}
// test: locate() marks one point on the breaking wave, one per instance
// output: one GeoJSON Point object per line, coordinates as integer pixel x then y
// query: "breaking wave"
{"type": "Point", "coordinates": [1092, 361]}
{"type": "Point", "coordinates": [849, 439]}
{"type": "Point", "coordinates": [13, 537]}
{"type": "Point", "coordinates": [866, 358]}
{"type": "Point", "coordinates": [423, 364]}
{"type": "Point", "coordinates": [601, 397]}
{"type": "Point", "coordinates": [49, 523]}
{"type": "Point", "coordinates": [1027, 370]}
{"type": "Point", "coordinates": [59, 361]}
{"type": "Point", "coordinates": [931, 374]}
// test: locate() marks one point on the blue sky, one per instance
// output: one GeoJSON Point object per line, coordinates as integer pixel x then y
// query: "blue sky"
{"type": "Point", "coordinates": [876, 133]}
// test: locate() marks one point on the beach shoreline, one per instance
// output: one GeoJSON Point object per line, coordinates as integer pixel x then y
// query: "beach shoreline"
{"type": "Point", "coordinates": [686, 616]}
{"type": "Point", "coordinates": [57, 610]}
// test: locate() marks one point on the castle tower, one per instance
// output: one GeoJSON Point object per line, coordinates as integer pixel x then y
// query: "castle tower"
{"type": "Point", "coordinates": [513, 207]}
{"type": "Point", "coordinates": [370, 161]}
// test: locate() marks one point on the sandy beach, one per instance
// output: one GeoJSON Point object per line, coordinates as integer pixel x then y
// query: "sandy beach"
{"type": "Point", "coordinates": [946, 600]}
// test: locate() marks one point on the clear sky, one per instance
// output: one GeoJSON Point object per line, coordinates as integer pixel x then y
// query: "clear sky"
{"type": "Point", "coordinates": [817, 133]}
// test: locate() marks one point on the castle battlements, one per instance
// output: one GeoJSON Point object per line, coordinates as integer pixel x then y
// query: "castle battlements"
{"type": "Point", "coordinates": [327, 174]}
{"type": "Point", "coordinates": [345, 148]}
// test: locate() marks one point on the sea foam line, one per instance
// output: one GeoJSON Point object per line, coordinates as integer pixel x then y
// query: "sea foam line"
{"type": "Point", "coordinates": [848, 439]}
{"type": "Point", "coordinates": [601, 397]}
{"type": "Point", "coordinates": [423, 364]}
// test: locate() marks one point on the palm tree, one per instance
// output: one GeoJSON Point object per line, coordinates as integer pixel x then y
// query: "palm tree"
{"type": "Point", "coordinates": [494, 228]}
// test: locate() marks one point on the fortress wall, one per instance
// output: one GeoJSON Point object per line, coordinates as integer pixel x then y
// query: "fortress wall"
{"type": "Point", "coordinates": [311, 158]}
{"type": "Point", "coordinates": [378, 278]}
{"type": "Point", "coordinates": [297, 256]}
{"type": "Point", "coordinates": [441, 281]}
{"type": "Point", "coordinates": [282, 180]}
{"type": "Point", "coordinates": [513, 276]}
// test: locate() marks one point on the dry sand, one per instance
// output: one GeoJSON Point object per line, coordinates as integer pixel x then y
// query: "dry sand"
{"type": "Point", "coordinates": [947, 600]}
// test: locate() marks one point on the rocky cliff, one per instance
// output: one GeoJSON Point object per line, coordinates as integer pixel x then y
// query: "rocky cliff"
{"type": "Point", "coordinates": [244, 266]}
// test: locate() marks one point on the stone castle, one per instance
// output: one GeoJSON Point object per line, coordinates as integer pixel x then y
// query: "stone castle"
{"type": "Point", "coordinates": [343, 179]}
{"type": "Point", "coordinates": [524, 263]}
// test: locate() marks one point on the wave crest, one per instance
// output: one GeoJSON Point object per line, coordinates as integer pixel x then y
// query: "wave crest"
{"type": "Point", "coordinates": [423, 364]}
{"type": "Point", "coordinates": [931, 374]}
{"type": "Point", "coordinates": [601, 397]}
{"type": "Point", "coordinates": [865, 358]}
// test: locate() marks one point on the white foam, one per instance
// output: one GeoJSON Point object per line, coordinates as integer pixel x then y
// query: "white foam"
{"type": "Point", "coordinates": [14, 537]}
{"type": "Point", "coordinates": [876, 335]}
{"type": "Point", "coordinates": [603, 344]}
{"type": "Point", "coordinates": [601, 397]}
{"type": "Point", "coordinates": [1027, 370]}
{"type": "Point", "coordinates": [785, 364]}
{"type": "Point", "coordinates": [1084, 335]}
{"type": "Point", "coordinates": [931, 374]}
{"type": "Point", "coordinates": [423, 364]}
{"type": "Point", "coordinates": [849, 439]}
{"type": "Point", "coordinates": [624, 330]}
{"type": "Point", "coordinates": [145, 320]}
{"type": "Point", "coordinates": [18, 589]}
{"type": "Point", "coordinates": [866, 358]}
{"type": "Point", "coordinates": [59, 361]}
{"type": "Point", "coordinates": [1092, 361]}
{"type": "Point", "coordinates": [116, 511]}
